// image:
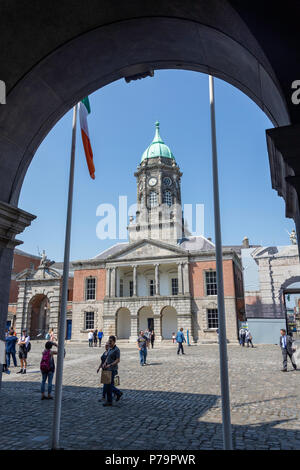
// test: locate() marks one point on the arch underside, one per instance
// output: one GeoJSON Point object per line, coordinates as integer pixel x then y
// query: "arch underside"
{"type": "Point", "coordinates": [108, 53]}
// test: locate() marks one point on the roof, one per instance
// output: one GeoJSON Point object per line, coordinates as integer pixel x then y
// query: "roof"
{"type": "Point", "coordinates": [157, 148]}
{"type": "Point", "coordinates": [199, 243]}
{"type": "Point", "coordinates": [23, 253]}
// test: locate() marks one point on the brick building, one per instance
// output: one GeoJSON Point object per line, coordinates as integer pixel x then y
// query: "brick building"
{"type": "Point", "coordinates": [162, 278]}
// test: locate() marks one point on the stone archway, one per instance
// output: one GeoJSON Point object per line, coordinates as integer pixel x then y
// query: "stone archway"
{"type": "Point", "coordinates": [123, 321]}
{"type": "Point", "coordinates": [169, 322]}
{"type": "Point", "coordinates": [146, 318]}
{"type": "Point", "coordinates": [38, 316]}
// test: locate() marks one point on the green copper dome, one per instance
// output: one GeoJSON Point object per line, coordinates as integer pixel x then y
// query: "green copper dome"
{"type": "Point", "coordinates": [157, 148]}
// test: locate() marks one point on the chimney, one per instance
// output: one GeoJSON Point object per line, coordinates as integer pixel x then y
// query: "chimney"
{"type": "Point", "coordinates": [245, 242]}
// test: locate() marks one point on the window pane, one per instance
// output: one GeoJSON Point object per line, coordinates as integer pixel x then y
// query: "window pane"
{"type": "Point", "coordinates": [153, 199]}
{"type": "Point", "coordinates": [168, 198]}
{"type": "Point", "coordinates": [175, 286]}
{"type": "Point", "coordinates": [131, 288]}
{"type": "Point", "coordinates": [90, 288]}
{"type": "Point", "coordinates": [151, 287]}
{"type": "Point", "coordinates": [212, 318]}
{"type": "Point", "coordinates": [89, 320]}
{"type": "Point", "coordinates": [211, 282]}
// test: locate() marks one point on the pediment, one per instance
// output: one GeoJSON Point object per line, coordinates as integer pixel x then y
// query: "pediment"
{"type": "Point", "coordinates": [146, 249]}
{"type": "Point", "coordinates": [41, 273]}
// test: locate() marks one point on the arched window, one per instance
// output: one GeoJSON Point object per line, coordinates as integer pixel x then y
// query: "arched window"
{"type": "Point", "coordinates": [168, 198]}
{"type": "Point", "coordinates": [153, 199]}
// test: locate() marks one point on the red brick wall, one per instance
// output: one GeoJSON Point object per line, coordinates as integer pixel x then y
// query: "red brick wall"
{"type": "Point", "coordinates": [79, 283]}
{"type": "Point", "coordinates": [21, 262]}
{"type": "Point", "coordinates": [197, 277]}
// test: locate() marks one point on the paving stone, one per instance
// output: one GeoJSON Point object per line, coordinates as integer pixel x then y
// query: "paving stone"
{"type": "Point", "coordinates": [179, 405]}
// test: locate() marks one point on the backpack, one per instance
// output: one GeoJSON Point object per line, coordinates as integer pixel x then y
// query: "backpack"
{"type": "Point", "coordinates": [28, 347]}
{"type": "Point", "coordinates": [45, 362]}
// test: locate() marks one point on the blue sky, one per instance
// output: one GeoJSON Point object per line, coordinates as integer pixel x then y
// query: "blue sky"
{"type": "Point", "coordinates": [122, 125]}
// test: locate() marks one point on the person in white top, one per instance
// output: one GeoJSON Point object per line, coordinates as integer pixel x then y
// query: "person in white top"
{"type": "Point", "coordinates": [23, 344]}
{"type": "Point", "coordinates": [90, 337]}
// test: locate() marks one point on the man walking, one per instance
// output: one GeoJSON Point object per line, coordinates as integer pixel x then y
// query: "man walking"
{"type": "Point", "coordinates": [10, 348]}
{"type": "Point", "coordinates": [100, 336]}
{"type": "Point", "coordinates": [242, 337]}
{"type": "Point", "coordinates": [249, 339]}
{"type": "Point", "coordinates": [180, 340]}
{"type": "Point", "coordinates": [95, 334]}
{"type": "Point", "coordinates": [111, 364]}
{"type": "Point", "coordinates": [142, 344]}
{"type": "Point", "coordinates": [286, 344]}
{"type": "Point", "coordinates": [90, 338]}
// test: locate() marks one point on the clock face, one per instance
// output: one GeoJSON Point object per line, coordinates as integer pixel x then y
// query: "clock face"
{"type": "Point", "coordinates": [167, 181]}
{"type": "Point", "coordinates": [152, 181]}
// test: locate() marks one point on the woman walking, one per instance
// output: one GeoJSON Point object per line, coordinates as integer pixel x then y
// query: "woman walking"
{"type": "Point", "coordinates": [47, 367]}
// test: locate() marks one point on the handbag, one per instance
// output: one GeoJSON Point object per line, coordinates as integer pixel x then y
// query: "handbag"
{"type": "Point", "coordinates": [105, 377]}
{"type": "Point", "coordinates": [116, 380]}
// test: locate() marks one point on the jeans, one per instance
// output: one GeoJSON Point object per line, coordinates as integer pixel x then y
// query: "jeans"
{"type": "Point", "coordinates": [143, 356]}
{"type": "Point", "coordinates": [109, 389]}
{"type": "Point", "coordinates": [100, 339]}
{"type": "Point", "coordinates": [180, 346]}
{"type": "Point", "coordinates": [13, 354]}
{"type": "Point", "coordinates": [90, 343]}
{"type": "Point", "coordinates": [46, 375]}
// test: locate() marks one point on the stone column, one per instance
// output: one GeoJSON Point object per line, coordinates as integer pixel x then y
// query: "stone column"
{"type": "Point", "coordinates": [157, 328]}
{"type": "Point", "coordinates": [107, 290]}
{"type": "Point", "coordinates": [134, 330]}
{"type": "Point", "coordinates": [186, 322]}
{"type": "Point", "coordinates": [180, 280]}
{"type": "Point", "coordinates": [12, 222]}
{"type": "Point", "coordinates": [134, 280]}
{"type": "Point", "coordinates": [113, 283]}
{"type": "Point", "coordinates": [54, 301]}
{"type": "Point", "coordinates": [157, 285]}
{"type": "Point", "coordinates": [186, 281]}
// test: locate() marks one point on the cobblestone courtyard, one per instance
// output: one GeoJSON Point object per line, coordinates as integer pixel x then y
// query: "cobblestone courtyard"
{"type": "Point", "coordinates": [173, 403]}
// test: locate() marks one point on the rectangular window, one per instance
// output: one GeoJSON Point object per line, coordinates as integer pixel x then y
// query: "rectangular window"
{"type": "Point", "coordinates": [175, 286]}
{"type": "Point", "coordinates": [211, 282]}
{"type": "Point", "coordinates": [89, 320]}
{"type": "Point", "coordinates": [131, 288]}
{"type": "Point", "coordinates": [90, 288]}
{"type": "Point", "coordinates": [121, 287]}
{"type": "Point", "coordinates": [212, 318]}
{"type": "Point", "coordinates": [151, 287]}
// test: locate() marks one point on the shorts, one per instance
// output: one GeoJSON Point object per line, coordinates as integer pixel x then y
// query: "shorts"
{"type": "Point", "coordinates": [22, 353]}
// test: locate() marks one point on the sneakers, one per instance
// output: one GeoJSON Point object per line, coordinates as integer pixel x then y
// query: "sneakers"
{"type": "Point", "coordinates": [284, 370]}
{"type": "Point", "coordinates": [20, 371]}
{"type": "Point", "coordinates": [24, 371]}
{"type": "Point", "coordinates": [119, 396]}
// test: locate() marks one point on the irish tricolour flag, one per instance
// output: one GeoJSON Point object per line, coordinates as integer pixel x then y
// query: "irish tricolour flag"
{"type": "Point", "coordinates": [84, 110]}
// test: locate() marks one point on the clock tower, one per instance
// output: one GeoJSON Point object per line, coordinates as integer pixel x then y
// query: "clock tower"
{"type": "Point", "coordinates": [159, 212]}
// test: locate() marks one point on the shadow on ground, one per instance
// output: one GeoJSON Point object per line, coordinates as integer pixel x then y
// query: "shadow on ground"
{"type": "Point", "coordinates": [143, 419]}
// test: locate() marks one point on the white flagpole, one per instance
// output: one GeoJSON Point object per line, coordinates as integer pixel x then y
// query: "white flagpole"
{"type": "Point", "coordinates": [227, 437]}
{"type": "Point", "coordinates": [64, 298]}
